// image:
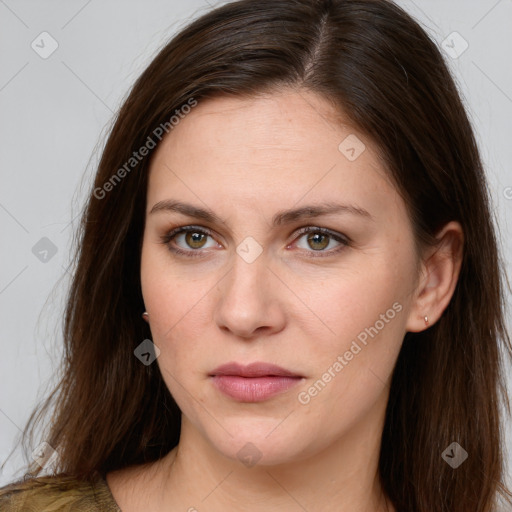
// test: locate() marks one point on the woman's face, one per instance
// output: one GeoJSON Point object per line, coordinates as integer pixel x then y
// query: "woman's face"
{"type": "Point", "coordinates": [257, 283]}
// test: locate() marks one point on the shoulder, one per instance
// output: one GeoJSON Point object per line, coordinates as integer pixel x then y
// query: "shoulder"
{"type": "Point", "coordinates": [58, 493]}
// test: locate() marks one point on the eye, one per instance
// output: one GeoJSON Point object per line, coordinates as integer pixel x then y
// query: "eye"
{"type": "Point", "coordinates": [189, 240]}
{"type": "Point", "coordinates": [318, 239]}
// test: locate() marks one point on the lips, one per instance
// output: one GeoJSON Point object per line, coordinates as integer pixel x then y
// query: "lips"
{"type": "Point", "coordinates": [253, 370]}
{"type": "Point", "coordinates": [255, 382]}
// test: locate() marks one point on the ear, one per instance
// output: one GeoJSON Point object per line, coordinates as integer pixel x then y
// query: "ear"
{"type": "Point", "coordinates": [440, 270]}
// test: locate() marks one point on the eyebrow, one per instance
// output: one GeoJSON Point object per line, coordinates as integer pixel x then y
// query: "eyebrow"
{"type": "Point", "coordinates": [280, 218]}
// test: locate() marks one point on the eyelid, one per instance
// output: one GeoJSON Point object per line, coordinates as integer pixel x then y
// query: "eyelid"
{"type": "Point", "coordinates": [340, 237]}
{"type": "Point", "coordinates": [189, 227]}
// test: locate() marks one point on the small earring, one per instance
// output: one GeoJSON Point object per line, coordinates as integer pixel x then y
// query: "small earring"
{"type": "Point", "coordinates": [145, 315]}
{"type": "Point", "coordinates": [426, 320]}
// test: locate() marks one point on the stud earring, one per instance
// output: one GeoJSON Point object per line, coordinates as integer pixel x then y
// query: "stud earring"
{"type": "Point", "coordinates": [426, 320]}
{"type": "Point", "coordinates": [145, 315]}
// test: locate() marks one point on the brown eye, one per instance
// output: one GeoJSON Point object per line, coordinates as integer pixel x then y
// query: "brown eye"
{"type": "Point", "coordinates": [189, 241]}
{"type": "Point", "coordinates": [321, 241]}
{"type": "Point", "coordinates": [318, 241]}
{"type": "Point", "coordinates": [195, 239]}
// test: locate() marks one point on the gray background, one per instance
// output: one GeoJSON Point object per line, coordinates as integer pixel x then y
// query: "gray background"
{"type": "Point", "coordinates": [55, 113]}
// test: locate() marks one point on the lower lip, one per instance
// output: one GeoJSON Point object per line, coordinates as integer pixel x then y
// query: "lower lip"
{"type": "Point", "coordinates": [253, 389]}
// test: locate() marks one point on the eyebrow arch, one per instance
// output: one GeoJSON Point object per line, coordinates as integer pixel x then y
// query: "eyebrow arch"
{"type": "Point", "coordinates": [280, 218]}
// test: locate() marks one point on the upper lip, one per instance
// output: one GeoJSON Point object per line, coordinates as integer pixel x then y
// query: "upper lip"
{"type": "Point", "coordinates": [257, 369]}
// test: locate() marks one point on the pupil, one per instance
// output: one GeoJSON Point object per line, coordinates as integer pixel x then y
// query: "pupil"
{"type": "Point", "coordinates": [196, 239]}
{"type": "Point", "coordinates": [317, 238]}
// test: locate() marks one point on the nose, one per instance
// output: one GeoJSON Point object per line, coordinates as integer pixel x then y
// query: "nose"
{"type": "Point", "coordinates": [249, 302]}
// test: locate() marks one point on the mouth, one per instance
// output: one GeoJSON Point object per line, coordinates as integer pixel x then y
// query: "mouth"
{"type": "Point", "coordinates": [253, 383]}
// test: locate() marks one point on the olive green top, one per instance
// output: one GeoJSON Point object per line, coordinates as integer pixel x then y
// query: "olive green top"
{"type": "Point", "coordinates": [58, 493]}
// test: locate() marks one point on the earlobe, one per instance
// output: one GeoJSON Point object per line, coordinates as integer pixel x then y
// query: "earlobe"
{"type": "Point", "coordinates": [440, 271]}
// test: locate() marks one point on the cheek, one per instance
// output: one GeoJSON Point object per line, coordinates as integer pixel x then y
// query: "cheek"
{"type": "Point", "coordinates": [349, 304]}
{"type": "Point", "coordinates": [167, 303]}
{"type": "Point", "coordinates": [171, 293]}
{"type": "Point", "coordinates": [366, 315]}
{"type": "Point", "coordinates": [352, 367]}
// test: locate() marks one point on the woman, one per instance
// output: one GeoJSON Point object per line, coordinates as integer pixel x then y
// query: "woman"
{"type": "Point", "coordinates": [293, 200]}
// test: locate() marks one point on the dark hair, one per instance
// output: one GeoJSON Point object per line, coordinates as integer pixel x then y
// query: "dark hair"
{"type": "Point", "coordinates": [379, 68]}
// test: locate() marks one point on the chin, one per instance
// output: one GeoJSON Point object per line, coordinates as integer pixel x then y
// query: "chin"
{"type": "Point", "coordinates": [260, 443]}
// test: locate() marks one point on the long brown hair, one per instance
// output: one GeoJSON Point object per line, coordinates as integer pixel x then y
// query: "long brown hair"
{"type": "Point", "coordinates": [377, 66]}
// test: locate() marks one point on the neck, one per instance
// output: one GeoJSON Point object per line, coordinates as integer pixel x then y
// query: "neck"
{"type": "Point", "coordinates": [194, 476]}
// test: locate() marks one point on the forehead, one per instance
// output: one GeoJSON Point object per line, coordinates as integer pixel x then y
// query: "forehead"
{"type": "Point", "coordinates": [274, 122]}
{"type": "Point", "coordinates": [259, 148]}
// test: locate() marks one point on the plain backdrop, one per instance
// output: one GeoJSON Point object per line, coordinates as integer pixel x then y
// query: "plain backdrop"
{"type": "Point", "coordinates": [66, 65]}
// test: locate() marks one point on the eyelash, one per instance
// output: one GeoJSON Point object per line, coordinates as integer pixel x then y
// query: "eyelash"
{"type": "Point", "coordinates": [168, 237]}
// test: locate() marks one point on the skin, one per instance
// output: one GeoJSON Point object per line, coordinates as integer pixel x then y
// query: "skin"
{"type": "Point", "coordinates": [246, 160]}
